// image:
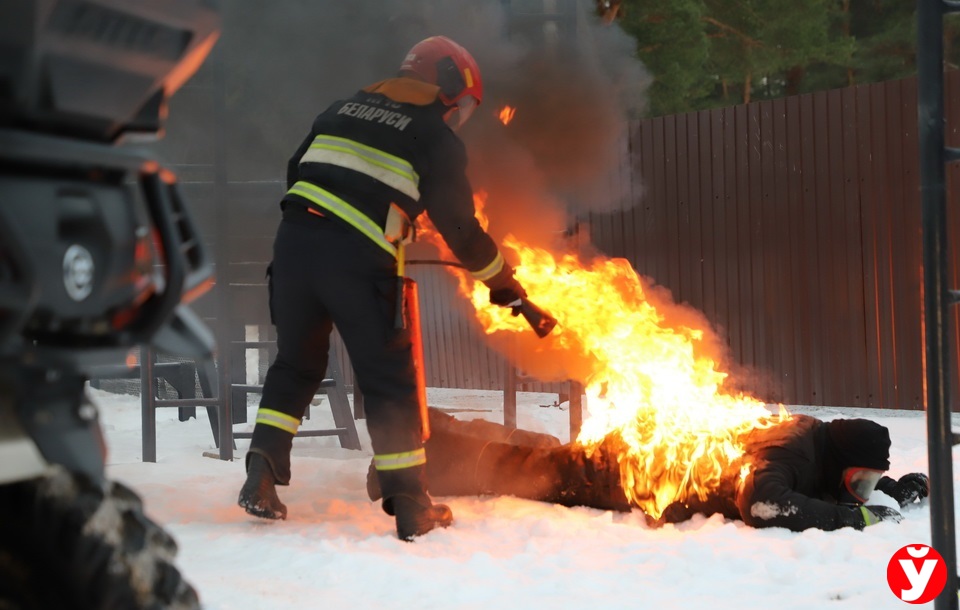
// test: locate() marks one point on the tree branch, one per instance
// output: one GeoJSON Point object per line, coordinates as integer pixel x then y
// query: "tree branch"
{"type": "Point", "coordinates": [751, 42]}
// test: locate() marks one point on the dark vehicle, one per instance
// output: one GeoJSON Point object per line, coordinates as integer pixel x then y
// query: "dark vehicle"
{"type": "Point", "coordinates": [98, 253]}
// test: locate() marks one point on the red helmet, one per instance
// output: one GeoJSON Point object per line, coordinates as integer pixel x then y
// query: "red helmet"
{"type": "Point", "coordinates": [442, 62]}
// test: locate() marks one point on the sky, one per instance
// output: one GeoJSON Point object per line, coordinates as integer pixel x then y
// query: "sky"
{"type": "Point", "coordinates": [338, 549]}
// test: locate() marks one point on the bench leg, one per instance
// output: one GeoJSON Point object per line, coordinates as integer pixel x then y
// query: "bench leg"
{"type": "Point", "coordinates": [207, 376]}
{"type": "Point", "coordinates": [340, 406]}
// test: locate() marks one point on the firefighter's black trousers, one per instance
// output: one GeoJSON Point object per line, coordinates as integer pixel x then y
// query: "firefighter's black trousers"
{"type": "Point", "coordinates": [326, 273]}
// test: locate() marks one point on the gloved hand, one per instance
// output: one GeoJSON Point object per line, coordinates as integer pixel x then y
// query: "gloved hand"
{"type": "Point", "coordinates": [908, 489]}
{"type": "Point", "coordinates": [505, 290]}
{"type": "Point", "coordinates": [507, 297]}
{"type": "Point", "coordinates": [875, 514]}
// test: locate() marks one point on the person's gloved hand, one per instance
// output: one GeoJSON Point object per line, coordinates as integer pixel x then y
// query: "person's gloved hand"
{"type": "Point", "coordinates": [875, 514]}
{"type": "Point", "coordinates": [908, 489]}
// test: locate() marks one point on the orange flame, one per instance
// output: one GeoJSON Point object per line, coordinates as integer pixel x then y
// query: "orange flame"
{"type": "Point", "coordinates": [651, 396]}
{"type": "Point", "coordinates": [506, 114]}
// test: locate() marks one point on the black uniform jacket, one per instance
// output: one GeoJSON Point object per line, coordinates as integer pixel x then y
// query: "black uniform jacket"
{"type": "Point", "coordinates": [403, 118]}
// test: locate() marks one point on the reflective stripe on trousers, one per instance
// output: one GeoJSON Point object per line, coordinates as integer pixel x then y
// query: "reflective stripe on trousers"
{"type": "Point", "coordinates": [399, 461]}
{"type": "Point", "coordinates": [269, 417]}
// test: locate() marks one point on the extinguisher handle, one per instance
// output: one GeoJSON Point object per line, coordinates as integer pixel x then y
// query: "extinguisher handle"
{"type": "Point", "coordinates": [400, 318]}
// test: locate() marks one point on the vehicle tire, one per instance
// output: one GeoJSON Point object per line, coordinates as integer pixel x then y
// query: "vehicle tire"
{"type": "Point", "coordinates": [68, 542]}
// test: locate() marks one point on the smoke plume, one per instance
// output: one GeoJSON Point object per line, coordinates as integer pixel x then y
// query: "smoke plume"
{"type": "Point", "coordinates": [572, 80]}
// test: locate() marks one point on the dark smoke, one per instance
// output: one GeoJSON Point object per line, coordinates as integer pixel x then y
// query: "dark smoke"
{"type": "Point", "coordinates": [573, 81]}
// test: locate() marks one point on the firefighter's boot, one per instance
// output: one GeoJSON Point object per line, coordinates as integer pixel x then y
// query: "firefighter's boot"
{"type": "Point", "coordinates": [417, 516]}
{"type": "Point", "coordinates": [405, 498]}
{"type": "Point", "coordinates": [258, 496]}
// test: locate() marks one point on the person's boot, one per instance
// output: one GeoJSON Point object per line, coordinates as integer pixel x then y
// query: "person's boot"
{"type": "Point", "coordinates": [417, 517]}
{"type": "Point", "coordinates": [258, 496]}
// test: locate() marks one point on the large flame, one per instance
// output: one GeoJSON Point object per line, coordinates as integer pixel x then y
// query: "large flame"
{"type": "Point", "coordinates": [651, 396]}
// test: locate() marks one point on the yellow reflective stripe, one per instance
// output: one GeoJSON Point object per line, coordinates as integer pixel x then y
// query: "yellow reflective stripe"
{"type": "Point", "coordinates": [402, 166]}
{"type": "Point", "coordinates": [388, 169]}
{"type": "Point", "coordinates": [330, 202]}
{"type": "Point", "coordinates": [490, 270]}
{"type": "Point", "coordinates": [269, 417]}
{"type": "Point", "coordinates": [398, 461]}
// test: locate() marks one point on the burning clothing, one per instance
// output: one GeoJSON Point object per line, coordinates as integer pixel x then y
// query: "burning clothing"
{"type": "Point", "coordinates": [794, 475]}
{"type": "Point", "coordinates": [789, 475]}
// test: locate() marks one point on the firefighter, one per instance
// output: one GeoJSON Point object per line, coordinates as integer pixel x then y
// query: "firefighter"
{"type": "Point", "coordinates": [802, 473]}
{"type": "Point", "coordinates": [370, 165]}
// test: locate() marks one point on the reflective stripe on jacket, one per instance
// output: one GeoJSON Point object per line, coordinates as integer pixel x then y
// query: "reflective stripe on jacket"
{"type": "Point", "coordinates": [388, 169]}
{"type": "Point", "coordinates": [346, 212]}
{"type": "Point", "coordinates": [387, 145]}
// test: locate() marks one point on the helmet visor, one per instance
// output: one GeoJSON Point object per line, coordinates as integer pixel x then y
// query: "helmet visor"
{"type": "Point", "coordinates": [461, 112]}
{"type": "Point", "coordinates": [858, 484]}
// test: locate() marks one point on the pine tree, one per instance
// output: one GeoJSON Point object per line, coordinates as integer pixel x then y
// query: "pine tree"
{"type": "Point", "coordinates": [672, 43]}
{"type": "Point", "coordinates": [885, 31]}
{"type": "Point", "coordinates": [762, 48]}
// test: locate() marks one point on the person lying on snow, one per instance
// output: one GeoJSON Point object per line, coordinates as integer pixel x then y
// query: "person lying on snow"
{"type": "Point", "coordinates": [803, 473]}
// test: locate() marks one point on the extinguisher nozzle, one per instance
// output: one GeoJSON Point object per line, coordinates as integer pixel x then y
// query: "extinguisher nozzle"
{"type": "Point", "coordinates": [539, 320]}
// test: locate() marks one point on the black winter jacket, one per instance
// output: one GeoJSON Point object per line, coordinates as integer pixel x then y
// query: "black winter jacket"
{"type": "Point", "coordinates": [792, 481]}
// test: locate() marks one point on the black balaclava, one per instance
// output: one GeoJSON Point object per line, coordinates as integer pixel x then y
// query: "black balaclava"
{"type": "Point", "coordinates": [853, 443]}
{"type": "Point", "coordinates": [859, 442]}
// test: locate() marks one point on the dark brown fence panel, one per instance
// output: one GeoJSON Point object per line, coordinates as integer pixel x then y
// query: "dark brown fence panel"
{"type": "Point", "coordinates": [952, 109]}
{"type": "Point", "coordinates": [873, 277]}
{"type": "Point", "coordinates": [794, 226]}
{"type": "Point", "coordinates": [911, 279]}
{"type": "Point", "coordinates": [798, 341]}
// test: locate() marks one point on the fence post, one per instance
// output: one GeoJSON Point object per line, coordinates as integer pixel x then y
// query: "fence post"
{"type": "Point", "coordinates": [933, 156]}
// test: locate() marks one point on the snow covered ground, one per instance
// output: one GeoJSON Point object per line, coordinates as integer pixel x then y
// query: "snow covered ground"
{"type": "Point", "coordinates": [338, 549]}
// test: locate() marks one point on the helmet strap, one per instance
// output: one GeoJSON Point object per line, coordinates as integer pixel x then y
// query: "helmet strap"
{"type": "Point", "coordinates": [451, 116]}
